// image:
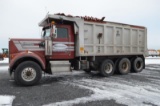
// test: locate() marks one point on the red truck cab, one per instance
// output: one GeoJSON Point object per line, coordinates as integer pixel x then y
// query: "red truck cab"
{"type": "Point", "coordinates": [28, 56]}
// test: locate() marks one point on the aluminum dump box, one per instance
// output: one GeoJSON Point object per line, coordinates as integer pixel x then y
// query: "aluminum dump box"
{"type": "Point", "coordinates": [110, 38]}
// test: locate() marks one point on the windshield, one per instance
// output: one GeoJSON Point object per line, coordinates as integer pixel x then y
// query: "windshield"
{"type": "Point", "coordinates": [46, 32]}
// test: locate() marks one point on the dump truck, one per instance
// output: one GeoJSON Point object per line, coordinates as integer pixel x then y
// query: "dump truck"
{"type": "Point", "coordinates": [74, 43]}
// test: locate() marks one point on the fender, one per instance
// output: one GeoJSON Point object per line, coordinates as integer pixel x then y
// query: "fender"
{"type": "Point", "coordinates": [16, 57]}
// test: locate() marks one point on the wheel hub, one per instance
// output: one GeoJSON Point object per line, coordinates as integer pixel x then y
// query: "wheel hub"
{"type": "Point", "coordinates": [28, 74]}
{"type": "Point", "coordinates": [108, 68]}
{"type": "Point", "coordinates": [125, 66]}
{"type": "Point", "coordinates": [138, 65]}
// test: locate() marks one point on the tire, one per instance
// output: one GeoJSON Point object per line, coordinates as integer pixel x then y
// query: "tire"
{"type": "Point", "coordinates": [137, 64]}
{"type": "Point", "coordinates": [27, 73]}
{"type": "Point", "coordinates": [87, 70]}
{"type": "Point", "coordinates": [124, 66]}
{"type": "Point", "coordinates": [107, 68]}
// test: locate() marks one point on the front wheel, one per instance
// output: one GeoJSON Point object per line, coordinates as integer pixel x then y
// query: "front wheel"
{"type": "Point", "coordinates": [28, 73]}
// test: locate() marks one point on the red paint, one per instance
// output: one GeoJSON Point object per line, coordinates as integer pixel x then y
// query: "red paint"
{"type": "Point", "coordinates": [64, 55]}
{"type": "Point", "coordinates": [21, 55]}
{"type": "Point", "coordinates": [40, 55]}
{"type": "Point", "coordinates": [13, 50]}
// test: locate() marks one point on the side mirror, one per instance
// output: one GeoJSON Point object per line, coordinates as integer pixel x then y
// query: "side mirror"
{"type": "Point", "coordinates": [54, 32]}
{"type": "Point", "coordinates": [42, 34]}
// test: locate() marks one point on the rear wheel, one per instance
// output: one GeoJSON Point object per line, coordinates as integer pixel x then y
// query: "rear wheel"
{"type": "Point", "coordinates": [87, 70]}
{"type": "Point", "coordinates": [27, 73]}
{"type": "Point", "coordinates": [124, 66]}
{"type": "Point", "coordinates": [107, 68]}
{"type": "Point", "coordinates": [138, 64]}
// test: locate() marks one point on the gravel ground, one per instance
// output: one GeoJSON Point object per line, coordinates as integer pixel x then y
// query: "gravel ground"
{"type": "Point", "coordinates": [81, 89]}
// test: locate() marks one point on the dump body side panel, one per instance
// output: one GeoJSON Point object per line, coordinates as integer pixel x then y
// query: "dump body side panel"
{"type": "Point", "coordinates": [113, 39]}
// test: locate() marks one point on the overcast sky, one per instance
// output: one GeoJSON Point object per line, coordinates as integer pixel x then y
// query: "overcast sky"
{"type": "Point", "coordinates": [20, 18]}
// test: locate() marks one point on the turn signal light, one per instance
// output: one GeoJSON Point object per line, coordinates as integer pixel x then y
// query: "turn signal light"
{"type": "Point", "coordinates": [52, 22]}
{"type": "Point", "coordinates": [11, 56]}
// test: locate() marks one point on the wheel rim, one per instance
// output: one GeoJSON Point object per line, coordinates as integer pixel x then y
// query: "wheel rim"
{"type": "Point", "coordinates": [139, 65]}
{"type": "Point", "coordinates": [28, 74]}
{"type": "Point", "coordinates": [108, 68]}
{"type": "Point", "coordinates": [125, 66]}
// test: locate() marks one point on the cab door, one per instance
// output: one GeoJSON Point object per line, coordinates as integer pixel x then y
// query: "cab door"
{"type": "Point", "coordinates": [63, 44]}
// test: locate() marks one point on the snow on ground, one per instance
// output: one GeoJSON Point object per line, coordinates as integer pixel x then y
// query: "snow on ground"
{"type": "Point", "coordinates": [6, 100]}
{"type": "Point", "coordinates": [152, 68]}
{"type": "Point", "coordinates": [6, 60]}
{"type": "Point", "coordinates": [123, 92]}
{"type": "Point", "coordinates": [132, 93]}
{"type": "Point", "coordinates": [152, 60]}
{"type": "Point", "coordinates": [62, 74]}
{"type": "Point", "coordinates": [3, 69]}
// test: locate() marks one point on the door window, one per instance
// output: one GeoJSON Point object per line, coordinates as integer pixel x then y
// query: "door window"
{"type": "Point", "coordinates": [62, 33]}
